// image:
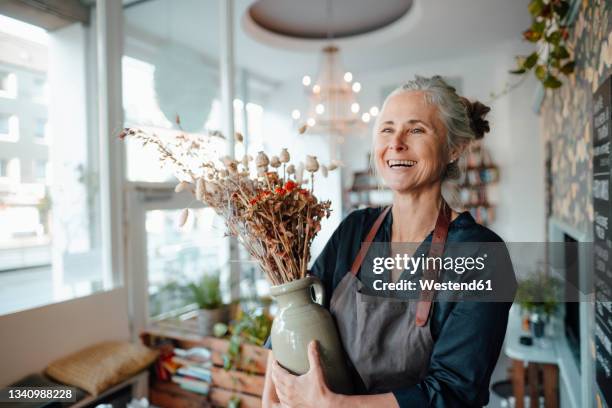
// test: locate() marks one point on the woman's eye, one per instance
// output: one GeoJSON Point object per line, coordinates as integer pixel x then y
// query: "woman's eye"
{"type": "Point", "coordinates": [386, 130]}
{"type": "Point", "coordinates": [417, 130]}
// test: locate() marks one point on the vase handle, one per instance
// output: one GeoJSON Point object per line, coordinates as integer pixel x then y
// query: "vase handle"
{"type": "Point", "coordinates": [319, 290]}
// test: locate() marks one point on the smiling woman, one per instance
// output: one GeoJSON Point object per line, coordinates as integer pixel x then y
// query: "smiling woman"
{"type": "Point", "coordinates": [409, 353]}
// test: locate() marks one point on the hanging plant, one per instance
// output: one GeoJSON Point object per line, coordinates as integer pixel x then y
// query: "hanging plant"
{"type": "Point", "coordinates": [549, 30]}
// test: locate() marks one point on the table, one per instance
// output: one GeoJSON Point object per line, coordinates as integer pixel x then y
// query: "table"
{"type": "Point", "coordinates": [543, 354]}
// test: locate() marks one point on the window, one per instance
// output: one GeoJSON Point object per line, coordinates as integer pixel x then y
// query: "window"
{"type": "Point", "coordinates": [9, 127]}
{"type": "Point", "coordinates": [40, 170]}
{"type": "Point", "coordinates": [3, 168]}
{"type": "Point", "coordinates": [39, 89]}
{"type": "Point", "coordinates": [40, 132]}
{"type": "Point", "coordinates": [8, 84]}
{"type": "Point", "coordinates": [5, 127]}
{"type": "Point", "coordinates": [50, 240]}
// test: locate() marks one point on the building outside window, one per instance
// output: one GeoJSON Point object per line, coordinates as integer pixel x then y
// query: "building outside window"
{"type": "Point", "coordinates": [40, 133]}
{"type": "Point", "coordinates": [40, 170]}
{"type": "Point", "coordinates": [40, 90]}
{"type": "Point", "coordinates": [8, 84]}
{"type": "Point", "coordinates": [3, 167]}
{"type": "Point", "coordinates": [50, 241]}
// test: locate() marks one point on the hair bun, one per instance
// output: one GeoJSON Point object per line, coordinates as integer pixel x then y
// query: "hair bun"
{"type": "Point", "coordinates": [477, 111]}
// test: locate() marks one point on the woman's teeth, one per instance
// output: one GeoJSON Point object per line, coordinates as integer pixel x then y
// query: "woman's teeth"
{"type": "Point", "coordinates": [401, 163]}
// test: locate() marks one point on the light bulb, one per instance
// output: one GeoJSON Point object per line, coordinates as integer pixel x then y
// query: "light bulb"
{"type": "Point", "coordinates": [374, 111]}
{"type": "Point", "coordinates": [365, 117]}
{"type": "Point", "coordinates": [316, 89]}
{"type": "Point", "coordinates": [306, 80]}
{"type": "Point", "coordinates": [295, 114]}
{"type": "Point", "coordinates": [348, 77]}
{"type": "Point", "coordinates": [354, 107]}
{"type": "Point", "coordinates": [356, 87]}
{"type": "Point", "coordinates": [311, 122]}
{"type": "Point", "coordinates": [320, 109]}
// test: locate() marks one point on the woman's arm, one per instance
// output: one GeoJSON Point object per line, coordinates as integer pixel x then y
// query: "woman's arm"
{"type": "Point", "coordinates": [463, 358]}
{"type": "Point", "coordinates": [311, 390]}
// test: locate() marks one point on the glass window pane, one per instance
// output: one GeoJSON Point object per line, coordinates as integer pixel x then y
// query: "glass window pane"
{"type": "Point", "coordinates": [50, 242]}
{"type": "Point", "coordinates": [177, 256]}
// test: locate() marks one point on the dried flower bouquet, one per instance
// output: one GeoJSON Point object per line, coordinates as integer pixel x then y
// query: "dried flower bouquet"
{"type": "Point", "coordinates": [266, 206]}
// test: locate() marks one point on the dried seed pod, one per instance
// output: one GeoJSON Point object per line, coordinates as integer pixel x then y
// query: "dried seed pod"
{"type": "Point", "coordinates": [312, 165]}
{"type": "Point", "coordinates": [284, 156]}
{"type": "Point", "coordinates": [226, 160]}
{"type": "Point", "coordinates": [183, 217]}
{"type": "Point", "coordinates": [324, 170]}
{"type": "Point", "coordinates": [245, 160]}
{"type": "Point", "coordinates": [238, 136]}
{"type": "Point", "coordinates": [211, 188]}
{"type": "Point", "coordinates": [200, 189]}
{"type": "Point", "coordinates": [275, 162]}
{"type": "Point", "coordinates": [262, 160]}
{"type": "Point", "coordinates": [232, 167]}
{"type": "Point", "coordinates": [181, 186]}
{"type": "Point", "coordinates": [291, 169]}
{"type": "Point", "coordinates": [303, 128]}
{"type": "Point", "coordinates": [299, 173]}
{"type": "Point", "coordinates": [335, 164]}
{"type": "Point", "coordinates": [223, 173]}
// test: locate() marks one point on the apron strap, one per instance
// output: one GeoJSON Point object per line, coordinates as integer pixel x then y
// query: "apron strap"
{"type": "Point", "coordinates": [365, 246]}
{"type": "Point", "coordinates": [435, 251]}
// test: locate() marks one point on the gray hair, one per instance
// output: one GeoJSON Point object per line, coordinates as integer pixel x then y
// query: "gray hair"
{"type": "Point", "coordinates": [463, 120]}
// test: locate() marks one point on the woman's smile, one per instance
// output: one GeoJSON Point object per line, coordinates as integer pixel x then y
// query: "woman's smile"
{"type": "Point", "coordinates": [400, 164]}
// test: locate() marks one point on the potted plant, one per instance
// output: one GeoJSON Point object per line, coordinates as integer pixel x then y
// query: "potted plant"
{"type": "Point", "coordinates": [207, 294]}
{"type": "Point", "coordinates": [538, 297]}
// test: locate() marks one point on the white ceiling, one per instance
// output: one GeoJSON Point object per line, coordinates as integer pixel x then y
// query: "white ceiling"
{"type": "Point", "coordinates": [434, 29]}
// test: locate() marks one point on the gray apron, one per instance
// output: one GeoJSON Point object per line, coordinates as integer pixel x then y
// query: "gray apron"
{"type": "Point", "coordinates": [387, 340]}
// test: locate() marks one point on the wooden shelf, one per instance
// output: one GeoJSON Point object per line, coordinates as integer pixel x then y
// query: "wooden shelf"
{"type": "Point", "coordinates": [246, 381]}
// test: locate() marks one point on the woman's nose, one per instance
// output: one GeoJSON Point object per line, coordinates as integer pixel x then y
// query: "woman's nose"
{"type": "Point", "coordinates": [398, 143]}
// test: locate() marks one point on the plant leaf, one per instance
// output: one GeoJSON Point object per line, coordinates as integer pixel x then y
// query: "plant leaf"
{"type": "Point", "coordinates": [540, 72]}
{"type": "Point", "coordinates": [562, 8]}
{"type": "Point", "coordinates": [535, 7]}
{"type": "Point", "coordinates": [568, 68]}
{"type": "Point", "coordinates": [538, 26]}
{"type": "Point", "coordinates": [532, 36]}
{"type": "Point", "coordinates": [551, 82]}
{"type": "Point", "coordinates": [518, 71]}
{"type": "Point", "coordinates": [531, 60]}
{"type": "Point", "coordinates": [560, 52]}
{"type": "Point", "coordinates": [554, 37]}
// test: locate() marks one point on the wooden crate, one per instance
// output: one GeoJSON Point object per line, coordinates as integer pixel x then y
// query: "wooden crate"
{"type": "Point", "coordinates": [245, 381]}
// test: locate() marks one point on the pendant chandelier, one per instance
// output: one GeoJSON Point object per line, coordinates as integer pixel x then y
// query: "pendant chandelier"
{"type": "Point", "coordinates": [333, 108]}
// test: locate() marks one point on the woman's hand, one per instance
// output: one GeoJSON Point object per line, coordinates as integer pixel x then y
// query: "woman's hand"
{"type": "Point", "coordinates": [308, 390]}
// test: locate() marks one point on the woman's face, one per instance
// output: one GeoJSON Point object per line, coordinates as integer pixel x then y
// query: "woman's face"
{"type": "Point", "coordinates": [410, 143]}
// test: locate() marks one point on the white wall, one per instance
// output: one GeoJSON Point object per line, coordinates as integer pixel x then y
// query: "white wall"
{"type": "Point", "coordinates": [513, 142]}
{"type": "Point", "coordinates": [33, 338]}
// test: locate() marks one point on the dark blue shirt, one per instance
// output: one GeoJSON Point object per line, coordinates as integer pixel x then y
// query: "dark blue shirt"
{"type": "Point", "coordinates": [467, 335]}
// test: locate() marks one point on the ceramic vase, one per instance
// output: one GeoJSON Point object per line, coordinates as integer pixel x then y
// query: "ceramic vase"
{"type": "Point", "coordinates": [299, 321]}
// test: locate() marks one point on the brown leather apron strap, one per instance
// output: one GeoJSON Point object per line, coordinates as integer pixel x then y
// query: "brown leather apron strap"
{"type": "Point", "coordinates": [435, 251]}
{"type": "Point", "coordinates": [365, 246]}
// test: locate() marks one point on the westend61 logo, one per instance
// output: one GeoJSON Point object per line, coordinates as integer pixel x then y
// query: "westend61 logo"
{"type": "Point", "coordinates": [459, 265]}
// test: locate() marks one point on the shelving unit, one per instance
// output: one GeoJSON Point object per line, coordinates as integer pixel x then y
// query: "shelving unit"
{"type": "Point", "coordinates": [244, 382]}
{"type": "Point", "coordinates": [478, 176]}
